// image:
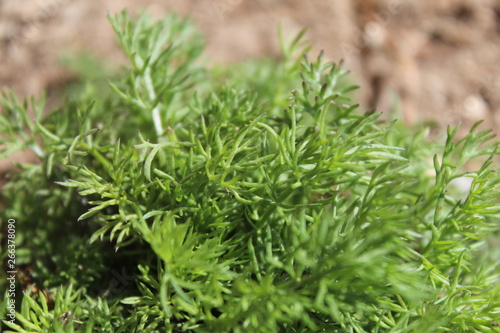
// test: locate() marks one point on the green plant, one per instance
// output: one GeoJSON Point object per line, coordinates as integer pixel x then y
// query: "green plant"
{"type": "Point", "coordinates": [244, 200]}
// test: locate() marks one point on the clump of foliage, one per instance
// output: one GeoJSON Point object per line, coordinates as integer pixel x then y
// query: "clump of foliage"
{"type": "Point", "coordinates": [248, 199]}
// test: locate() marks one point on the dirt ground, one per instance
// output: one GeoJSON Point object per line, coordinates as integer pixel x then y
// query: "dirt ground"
{"type": "Point", "coordinates": [438, 58]}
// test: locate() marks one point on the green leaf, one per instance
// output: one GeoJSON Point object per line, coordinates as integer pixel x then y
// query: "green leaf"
{"type": "Point", "coordinates": [149, 160]}
{"type": "Point", "coordinates": [97, 209]}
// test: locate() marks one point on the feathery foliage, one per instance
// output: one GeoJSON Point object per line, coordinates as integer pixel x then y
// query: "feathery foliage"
{"type": "Point", "coordinates": [248, 199]}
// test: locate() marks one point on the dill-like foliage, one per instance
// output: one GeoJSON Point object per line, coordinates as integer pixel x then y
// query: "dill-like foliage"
{"type": "Point", "coordinates": [253, 198]}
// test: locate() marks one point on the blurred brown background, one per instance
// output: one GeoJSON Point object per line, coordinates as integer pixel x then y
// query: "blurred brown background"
{"type": "Point", "coordinates": [438, 58]}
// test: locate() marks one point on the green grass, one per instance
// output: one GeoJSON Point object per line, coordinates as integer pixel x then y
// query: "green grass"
{"type": "Point", "coordinates": [254, 198]}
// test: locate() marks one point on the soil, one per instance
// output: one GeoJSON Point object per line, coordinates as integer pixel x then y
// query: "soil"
{"type": "Point", "coordinates": [431, 59]}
